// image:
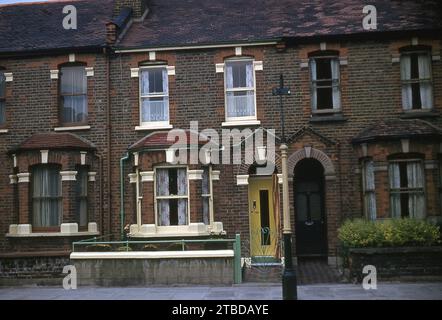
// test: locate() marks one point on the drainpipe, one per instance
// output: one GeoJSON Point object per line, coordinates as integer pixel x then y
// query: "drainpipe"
{"type": "Point", "coordinates": [124, 158]}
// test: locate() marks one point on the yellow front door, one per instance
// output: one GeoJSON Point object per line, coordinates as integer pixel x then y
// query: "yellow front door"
{"type": "Point", "coordinates": [263, 233]}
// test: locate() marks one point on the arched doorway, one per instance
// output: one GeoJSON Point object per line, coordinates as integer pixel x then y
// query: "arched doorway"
{"type": "Point", "coordinates": [310, 217]}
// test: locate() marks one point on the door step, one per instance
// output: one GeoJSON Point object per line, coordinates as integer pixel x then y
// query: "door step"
{"type": "Point", "coordinates": [263, 272]}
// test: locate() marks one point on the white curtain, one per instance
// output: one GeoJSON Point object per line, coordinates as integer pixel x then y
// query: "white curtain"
{"type": "Point", "coordinates": [145, 82]}
{"type": "Point", "coordinates": [46, 188]}
{"type": "Point", "coordinates": [335, 82]}
{"type": "Point", "coordinates": [424, 63]}
{"type": "Point", "coordinates": [165, 81]}
{"type": "Point", "coordinates": [74, 92]}
{"type": "Point", "coordinates": [249, 75]}
{"type": "Point", "coordinates": [229, 76]}
{"type": "Point", "coordinates": [370, 195]}
{"type": "Point", "coordinates": [416, 201]}
{"type": "Point", "coordinates": [313, 79]}
{"type": "Point", "coordinates": [407, 95]}
{"type": "Point", "coordinates": [395, 183]}
{"type": "Point", "coordinates": [162, 185]}
{"type": "Point", "coordinates": [154, 108]}
{"type": "Point", "coordinates": [182, 191]}
{"type": "Point", "coordinates": [240, 103]}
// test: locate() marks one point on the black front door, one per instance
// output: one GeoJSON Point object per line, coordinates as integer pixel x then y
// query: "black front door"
{"type": "Point", "coordinates": [311, 232]}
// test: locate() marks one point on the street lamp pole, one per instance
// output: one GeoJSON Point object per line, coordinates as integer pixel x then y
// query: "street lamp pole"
{"type": "Point", "coordinates": [289, 281]}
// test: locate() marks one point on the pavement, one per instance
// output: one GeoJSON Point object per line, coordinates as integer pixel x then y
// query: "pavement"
{"type": "Point", "coordinates": [247, 291]}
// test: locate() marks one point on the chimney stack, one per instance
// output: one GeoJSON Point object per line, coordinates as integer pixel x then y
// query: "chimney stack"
{"type": "Point", "coordinates": [138, 7]}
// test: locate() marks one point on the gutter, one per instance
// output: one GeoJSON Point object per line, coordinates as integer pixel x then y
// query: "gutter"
{"type": "Point", "coordinates": [122, 215]}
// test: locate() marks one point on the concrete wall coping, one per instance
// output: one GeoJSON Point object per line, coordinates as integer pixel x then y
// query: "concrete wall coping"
{"type": "Point", "coordinates": [153, 254]}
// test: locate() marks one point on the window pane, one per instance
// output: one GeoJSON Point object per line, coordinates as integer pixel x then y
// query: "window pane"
{"type": "Point", "coordinates": [46, 191]}
{"type": "Point", "coordinates": [323, 69]}
{"type": "Point", "coordinates": [155, 109]}
{"type": "Point", "coordinates": [205, 190]}
{"type": "Point", "coordinates": [324, 98]}
{"type": "Point", "coordinates": [73, 80]}
{"type": "Point", "coordinates": [2, 85]}
{"type": "Point", "coordinates": [74, 109]}
{"type": "Point", "coordinates": [240, 104]}
{"type": "Point", "coordinates": [239, 74]}
{"type": "Point", "coordinates": [154, 81]}
{"type": "Point", "coordinates": [2, 112]}
{"type": "Point", "coordinates": [81, 191]}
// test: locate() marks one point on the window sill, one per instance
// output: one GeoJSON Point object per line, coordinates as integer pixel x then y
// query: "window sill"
{"type": "Point", "coordinates": [4, 131]}
{"type": "Point", "coordinates": [241, 123]}
{"type": "Point", "coordinates": [153, 127]}
{"type": "Point", "coordinates": [420, 114]}
{"type": "Point", "coordinates": [74, 128]}
{"type": "Point", "coordinates": [191, 254]}
{"type": "Point", "coordinates": [52, 234]}
{"type": "Point", "coordinates": [191, 230]}
{"type": "Point", "coordinates": [324, 118]}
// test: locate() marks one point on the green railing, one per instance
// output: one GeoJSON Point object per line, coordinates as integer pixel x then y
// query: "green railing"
{"type": "Point", "coordinates": [128, 244]}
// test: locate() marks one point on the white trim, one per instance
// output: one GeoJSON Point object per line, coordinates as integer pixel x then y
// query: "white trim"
{"type": "Point", "coordinates": [414, 41]}
{"type": "Point", "coordinates": [83, 157]}
{"type": "Point", "coordinates": [44, 156]}
{"type": "Point", "coordinates": [4, 130]}
{"type": "Point", "coordinates": [9, 77]}
{"type": "Point", "coordinates": [405, 144]}
{"type": "Point", "coordinates": [195, 174]}
{"type": "Point", "coordinates": [210, 46]}
{"type": "Point", "coordinates": [68, 175]}
{"type": "Point", "coordinates": [435, 58]}
{"type": "Point", "coordinates": [242, 180]}
{"type": "Point", "coordinates": [23, 177]}
{"type": "Point", "coordinates": [54, 74]}
{"type": "Point", "coordinates": [323, 46]}
{"type": "Point", "coordinates": [14, 160]}
{"type": "Point", "coordinates": [238, 51]}
{"type": "Point", "coordinates": [92, 176]}
{"type": "Point", "coordinates": [170, 70]}
{"type": "Point", "coordinates": [13, 179]}
{"type": "Point", "coordinates": [280, 178]}
{"type": "Point", "coordinates": [134, 72]}
{"type": "Point", "coordinates": [219, 68]}
{"type": "Point", "coordinates": [241, 123]}
{"type": "Point", "coordinates": [215, 175]}
{"type": "Point", "coordinates": [76, 128]}
{"type": "Point", "coordinates": [192, 254]}
{"type": "Point", "coordinates": [72, 57]}
{"type": "Point", "coordinates": [152, 56]}
{"type": "Point", "coordinates": [395, 58]}
{"type": "Point", "coordinates": [258, 66]}
{"type": "Point", "coordinates": [304, 64]}
{"type": "Point", "coordinates": [132, 177]}
{"type": "Point", "coordinates": [153, 127]}
{"type": "Point", "coordinates": [364, 149]}
{"type": "Point", "coordinates": [147, 176]}
{"type": "Point", "coordinates": [89, 71]}
{"type": "Point", "coordinates": [69, 228]}
{"type": "Point", "coordinates": [343, 61]}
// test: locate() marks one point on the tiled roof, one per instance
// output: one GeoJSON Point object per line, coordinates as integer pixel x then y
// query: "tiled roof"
{"type": "Point", "coordinates": [39, 26]}
{"type": "Point", "coordinates": [159, 140]}
{"type": "Point", "coordinates": [198, 22]}
{"type": "Point", "coordinates": [396, 129]}
{"type": "Point", "coordinates": [50, 141]}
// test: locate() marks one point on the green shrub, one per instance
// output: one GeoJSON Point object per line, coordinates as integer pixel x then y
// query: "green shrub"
{"type": "Point", "coordinates": [361, 233]}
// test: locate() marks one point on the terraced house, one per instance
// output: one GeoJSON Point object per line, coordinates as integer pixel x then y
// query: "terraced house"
{"type": "Point", "coordinates": [85, 114]}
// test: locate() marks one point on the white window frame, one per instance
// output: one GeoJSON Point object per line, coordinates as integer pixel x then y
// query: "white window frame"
{"type": "Point", "coordinates": [407, 190]}
{"type": "Point", "coordinates": [314, 86]}
{"type": "Point", "coordinates": [156, 197]}
{"type": "Point", "coordinates": [152, 124]}
{"type": "Point", "coordinates": [209, 195]}
{"type": "Point", "coordinates": [246, 118]}
{"type": "Point", "coordinates": [420, 81]}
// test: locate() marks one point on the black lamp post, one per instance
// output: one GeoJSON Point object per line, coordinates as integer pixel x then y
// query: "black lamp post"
{"type": "Point", "coordinates": [289, 282]}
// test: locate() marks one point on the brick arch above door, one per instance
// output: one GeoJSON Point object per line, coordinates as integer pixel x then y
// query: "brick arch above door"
{"type": "Point", "coordinates": [311, 153]}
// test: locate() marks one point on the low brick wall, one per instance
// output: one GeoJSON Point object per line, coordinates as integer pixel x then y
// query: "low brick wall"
{"type": "Point", "coordinates": [123, 272]}
{"type": "Point", "coordinates": [397, 263]}
{"type": "Point", "coordinates": [25, 270]}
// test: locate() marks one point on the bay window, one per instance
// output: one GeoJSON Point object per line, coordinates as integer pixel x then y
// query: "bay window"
{"type": "Point", "coordinates": [325, 84]}
{"type": "Point", "coordinates": [154, 96]}
{"type": "Point", "coordinates": [240, 90]}
{"type": "Point", "coordinates": [73, 95]}
{"type": "Point", "coordinates": [2, 98]}
{"type": "Point", "coordinates": [171, 196]}
{"type": "Point", "coordinates": [407, 191]}
{"type": "Point", "coordinates": [417, 91]}
{"type": "Point", "coordinates": [368, 189]}
{"type": "Point", "coordinates": [46, 196]}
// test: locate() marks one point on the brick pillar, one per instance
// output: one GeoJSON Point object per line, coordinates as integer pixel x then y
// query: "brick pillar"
{"type": "Point", "coordinates": [24, 202]}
